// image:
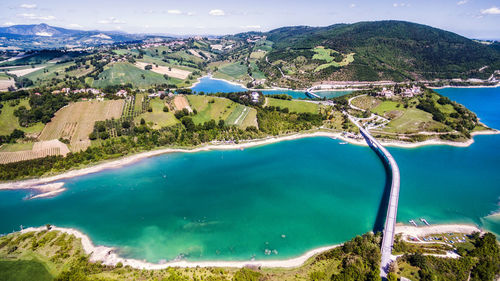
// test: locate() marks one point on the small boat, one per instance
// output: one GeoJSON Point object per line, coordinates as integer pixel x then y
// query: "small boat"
{"type": "Point", "coordinates": [344, 142]}
{"type": "Point", "coordinates": [412, 222]}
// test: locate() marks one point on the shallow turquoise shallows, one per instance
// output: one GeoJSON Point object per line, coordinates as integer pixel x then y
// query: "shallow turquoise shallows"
{"type": "Point", "coordinates": [209, 85]}
{"type": "Point", "coordinates": [290, 197]}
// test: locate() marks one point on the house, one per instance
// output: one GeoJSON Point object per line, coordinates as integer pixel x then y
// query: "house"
{"type": "Point", "coordinates": [122, 93]}
{"type": "Point", "coordinates": [255, 97]}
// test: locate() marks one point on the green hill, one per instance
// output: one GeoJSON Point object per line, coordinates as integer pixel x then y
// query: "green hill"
{"type": "Point", "coordinates": [383, 50]}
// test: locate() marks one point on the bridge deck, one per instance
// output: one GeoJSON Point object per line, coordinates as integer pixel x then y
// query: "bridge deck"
{"type": "Point", "coordinates": [392, 210]}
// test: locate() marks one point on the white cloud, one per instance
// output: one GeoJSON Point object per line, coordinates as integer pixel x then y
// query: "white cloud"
{"type": "Point", "coordinates": [352, 5]}
{"type": "Point", "coordinates": [216, 12]}
{"type": "Point", "coordinates": [250, 26]}
{"type": "Point", "coordinates": [111, 20]}
{"type": "Point", "coordinates": [491, 11]}
{"type": "Point", "coordinates": [28, 6]}
{"type": "Point", "coordinates": [174, 12]}
{"type": "Point", "coordinates": [9, 23]}
{"type": "Point", "coordinates": [462, 2]}
{"type": "Point", "coordinates": [32, 16]}
{"type": "Point", "coordinates": [74, 25]}
{"type": "Point", "coordinates": [190, 13]}
{"type": "Point", "coordinates": [395, 5]}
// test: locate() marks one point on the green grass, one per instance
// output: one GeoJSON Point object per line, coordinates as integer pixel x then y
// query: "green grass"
{"type": "Point", "coordinates": [9, 122]}
{"type": "Point", "coordinates": [221, 108]}
{"type": "Point", "coordinates": [294, 105]}
{"type": "Point", "coordinates": [325, 54]}
{"type": "Point", "coordinates": [50, 71]}
{"type": "Point", "coordinates": [238, 115]}
{"type": "Point", "coordinates": [256, 73]}
{"type": "Point", "coordinates": [251, 119]}
{"type": "Point", "coordinates": [366, 102]}
{"type": "Point", "coordinates": [413, 120]}
{"type": "Point", "coordinates": [233, 70]}
{"type": "Point", "coordinates": [157, 118]}
{"type": "Point", "coordinates": [171, 63]}
{"type": "Point", "coordinates": [386, 106]}
{"type": "Point", "coordinates": [23, 270]}
{"type": "Point", "coordinates": [12, 147]}
{"type": "Point", "coordinates": [123, 73]}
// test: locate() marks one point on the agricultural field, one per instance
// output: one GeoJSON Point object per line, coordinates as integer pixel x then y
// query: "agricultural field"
{"type": "Point", "coordinates": [13, 147]}
{"type": "Point", "coordinates": [157, 118]}
{"type": "Point", "coordinates": [294, 105]}
{"type": "Point", "coordinates": [76, 121]}
{"type": "Point", "coordinates": [180, 102]}
{"type": "Point", "coordinates": [9, 122]}
{"type": "Point", "coordinates": [365, 102]}
{"type": "Point", "coordinates": [413, 120]}
{"type": "Point", "coordinates": [211, 108]}
{"type": "Point", "coordinates": [50, 71]}
{"type": "Point", "coordinates": [6, 82]}
{"type": "Point", "coordinates": [123, 73]}
{"type": "Point", "coordinates": [39, 150]}
{"type": "Point", "coordinates": [331, 57]}
{"type": "Point", "coordinates": [242, 116]}
{"type": "Point", "coordinates": [256, 73]}
{"type": "Point", "coordinates": [232, 71]}
{"type": "Point", "coordinates": [25, 71]}
{"type": "Point", "coordinates": [258, 54]}
{"type": "Point", "coordinates": [168, 70]}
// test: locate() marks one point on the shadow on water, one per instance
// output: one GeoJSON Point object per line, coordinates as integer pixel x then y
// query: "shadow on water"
{"type": "Point", "coordinates": [378, 225]}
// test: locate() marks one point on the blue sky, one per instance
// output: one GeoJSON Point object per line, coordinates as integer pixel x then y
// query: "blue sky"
{"type": "Point", "coordinates": [471, 18]}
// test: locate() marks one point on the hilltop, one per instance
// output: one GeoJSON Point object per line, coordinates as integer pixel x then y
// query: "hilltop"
{"type": "Point", "coordinates": [372, 51]}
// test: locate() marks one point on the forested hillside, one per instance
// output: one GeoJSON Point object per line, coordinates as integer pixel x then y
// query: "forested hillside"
{"type": "Point", "coordinates": [383, 50]}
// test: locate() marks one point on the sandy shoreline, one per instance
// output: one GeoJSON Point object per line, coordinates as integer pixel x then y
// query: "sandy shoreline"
{"type": "Point", "coordinates": [108, 256]}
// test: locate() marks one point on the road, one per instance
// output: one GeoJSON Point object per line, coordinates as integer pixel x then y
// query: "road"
{"type": "Point", "coordinates": [392, 209]}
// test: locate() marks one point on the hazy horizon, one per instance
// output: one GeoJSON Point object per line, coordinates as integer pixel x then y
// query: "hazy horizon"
{"type": "Point", "coordinates": [473, 19]}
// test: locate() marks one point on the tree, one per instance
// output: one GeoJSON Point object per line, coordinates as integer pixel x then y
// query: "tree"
{"type": "Point", "coordinates": [188, 123]}
{"type": "Point", "coordinates": [392, 277]}
{"type": "Point", "coordinates": [143, 122]}
{"type": "Point", "coordinates": [165, 109]}
{"type": "Point", "coordinates": [148, 67]}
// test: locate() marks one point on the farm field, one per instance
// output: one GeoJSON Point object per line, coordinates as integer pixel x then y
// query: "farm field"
{"type": "Point", "coordinates": [413, 120]}
{"type": "Point", "coordinates": [9, 122]}
{"type": "Point", "coordinates": [123, 73]}
{"type": "Point", "coordinates": [233, 71]}
{"type": "Point", "coordinates": [76, 121]}
{"type": "Point", "coordinates": [365, 102]}
{"type": "Point", "coordinates": [210, 108]}
{"type": "Point", "coordinates": [242, 116]}
{"type": "Point", "coordinates": [12, 147]}
{"type": "Point", "coordinates": [25, 71]}
{"type": "Point", "coordinates": [294, 105]}
{"type": "Point", "coordinates": [180, 102]}
{"type": "Point", "coordinates": [39, 150]}
{"type": "Point", "coordinates": [49, 71]}
{"type": "Point", "coordinates": [169, 62]}
{"type": "Point", "coordinates": [157, 118]}
{"type": "Point", "coordinates": [386, 107]}
{"type": "Point", "coordinates": [170, 71]}
{"type": "Point", "coordinates": [6, 82]}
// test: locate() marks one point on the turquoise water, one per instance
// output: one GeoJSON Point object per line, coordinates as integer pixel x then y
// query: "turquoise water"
{"type": "Point", "coordinates": [209, 85]}
{"type": "Point", "coordinates": [233, 205]}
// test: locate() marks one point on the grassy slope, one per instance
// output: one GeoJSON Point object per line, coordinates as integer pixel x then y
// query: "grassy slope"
{"type": "Point", "coordinates": [294, 105]}
{"type": "Point", "coordinates": [122, 73]}
{"type": "Point", "coordinates": [11, 147]}
{"type": "Point", "coordinates": [9, 122]}
{"type": "Point", "coordinates": [232, 70]}
{"type": "Point", "coordinates": [221, 108]}
{"type": "Point", "coordinates": [158, 118]}
{"type": "Point", "coordinates": [24, 270]}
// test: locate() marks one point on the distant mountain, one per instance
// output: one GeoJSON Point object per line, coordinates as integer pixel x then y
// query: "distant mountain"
{"type": "Point", "coordinates": [43, 36]}
{"type": "Point", "coordinates": [38, 30]}
{"type": "Point", "coordinates": [392, 50]}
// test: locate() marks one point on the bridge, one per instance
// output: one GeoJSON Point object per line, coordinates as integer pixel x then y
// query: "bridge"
{"type": "Point", "coordinates": [392, 209]}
